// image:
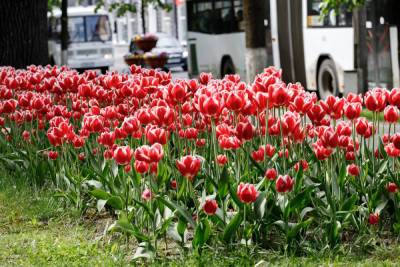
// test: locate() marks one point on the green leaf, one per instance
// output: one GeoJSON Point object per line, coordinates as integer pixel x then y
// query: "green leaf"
{"type": "Point", "coordinates": [299, 179]}
{"type": "Point", "coordinates": [295, 228]}
{"type": "Point", "coordinates": [232, 227]}
{"type": "Point", "coordinates": [223, 183]}
{"type": "Point", "coordinates": [100, 194]}
{"type": "Point", "coordinates": [202, 233]}
{"type": "Point", "coordinates": [115, 202]}
{"type": "Point", "coordinates": [124, 226]}
{"type": "Point", "coordinates": [260, 204]}
{"type": "Point", "coordinates": [163, 228]}
{"type": "Point", "coordinates": [234, 196]}
{"type": "Point", "coordinates": [175, 206]}
{"type": "Point", "coordinates": [305, 211]}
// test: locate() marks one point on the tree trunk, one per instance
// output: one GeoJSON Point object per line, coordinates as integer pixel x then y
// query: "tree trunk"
{"type": "Point", "coordinates": [360, 46]}
{"type": "Point", "coordinates": [23, 28]}
{"type": "Point", "coordinates": [64, 32]}
{"type": "Point", "coordinates": [254, 13]}
{"type": "Point", "coordinates": [142, 14]}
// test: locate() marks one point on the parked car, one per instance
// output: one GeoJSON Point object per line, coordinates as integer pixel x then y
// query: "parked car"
{"type": "Point", "coordinates": [177, 56]}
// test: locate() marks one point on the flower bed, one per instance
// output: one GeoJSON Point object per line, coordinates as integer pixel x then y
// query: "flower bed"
{"type": "Point", "coordinates": [223, 160]}
{"type": "Point", "coordinates": [145, 42]}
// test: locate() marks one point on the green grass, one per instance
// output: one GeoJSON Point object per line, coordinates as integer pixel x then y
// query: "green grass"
{"type": "Point", "coordinates": [37, 230]}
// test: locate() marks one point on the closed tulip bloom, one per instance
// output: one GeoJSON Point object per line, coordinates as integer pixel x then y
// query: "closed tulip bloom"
{"type": "Point", "coordinates": [222, 160]}
{"type": "Point", "coordinates": [373, 218]}
{"type": "Point", "coordinates": [81, 156]}
{"type": "Point", "coordinates": [258, 155]}
{"type": "Point", "coordinates": [396, 140]}
{"type": "Point", "coordinates": [141, 166]}
{"type": "Point", "coordinates": [53, 155]}
{"type": "Point", "coordinates": [247, 193]}
{"type": "Point", "coordinates": [123, 155]}
{"type": "Point", "coordinates": [173, 184]}
{"type": "Point", "coordinates": [303, 163]}
{"type": "Point", "coordinates": [188, 166]}
{"type": "Point", "coordinates": [147, 195]}
{"type": "Point", "coordinates": [271, 174]}
{"type": "Point", "coordinates": [394, 97]}
{"type": "Point", "coordinates": [210, 206]}
{"type": "Point", "coordinates": [284, 184]}
{"type": "Point", "coordinates": [391, 187]}
{"type": "Point", "coordinates": [352, 110]}
{"type": "Point", "coordinates": [391, 114]}
{"type": "Point", "coordinates": [353, 170]}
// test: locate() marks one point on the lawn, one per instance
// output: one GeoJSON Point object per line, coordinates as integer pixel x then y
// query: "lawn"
{"type": "Point", "coordinates": [38, 230]}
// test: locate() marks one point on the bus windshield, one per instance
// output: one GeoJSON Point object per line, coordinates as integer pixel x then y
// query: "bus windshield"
{"type": "Point", "coordinates": [91, 28]}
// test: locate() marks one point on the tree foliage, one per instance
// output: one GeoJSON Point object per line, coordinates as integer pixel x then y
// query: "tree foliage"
{"type": "Point", "coordinates": [121, 7]}
{"type": "Point", "coordinates": [329, 5]}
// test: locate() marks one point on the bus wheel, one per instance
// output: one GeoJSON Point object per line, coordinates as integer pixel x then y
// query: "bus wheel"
{"type": "Point", "coordinates": [227, 67]}
{"type": "Point", "coordinates": [327, 79]}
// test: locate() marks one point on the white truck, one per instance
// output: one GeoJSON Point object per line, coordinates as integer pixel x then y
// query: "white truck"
{"type": "Point", "coordinates": [90, 43]}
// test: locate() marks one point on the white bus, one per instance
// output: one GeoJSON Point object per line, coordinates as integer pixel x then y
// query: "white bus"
{"type": "Point", "coordinates": [90, 38]}
{"type": "Point", "coordinates": [319, 53]}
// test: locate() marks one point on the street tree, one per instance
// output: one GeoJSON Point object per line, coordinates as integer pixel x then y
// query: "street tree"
{"type": "Point", "coordinates": [23, 27]}
{"type": "Point", "coordinates": [254, 13]}
{"type": "Point", "coordinates": [122, 7]}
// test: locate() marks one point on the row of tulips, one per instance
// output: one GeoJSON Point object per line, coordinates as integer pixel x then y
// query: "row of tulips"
{"type": "Point", "coordinates": [206, 161]}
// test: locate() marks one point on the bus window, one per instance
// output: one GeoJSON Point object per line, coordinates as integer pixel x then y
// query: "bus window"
{"type": "Point", "coordinates": [76, 29]}
{"type": "Point", "coordinates": [215, 17]}
{"type": "Point", "coordinates": [97, 28]}
{"type": "Point", "coordinates": [315, 17]}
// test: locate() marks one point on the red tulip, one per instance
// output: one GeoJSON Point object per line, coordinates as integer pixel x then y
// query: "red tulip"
{"type": "Point", "coordinates": [141, 166]}
{"type": "Point", "coordinates": [333, 106]}
{"type": "Point", "coordinates": [361, 126]}
{"type": "Point", "coordinates": [222, 160]}
{"type": "Point", "coordinates": [247, 193]}
{"type": "Point", "coordinates": [284, 184]}
{"type": "Point", "coordinates": [353, 170]}
{"type": "Point", "coordinates": [396, 140]}
{"type": "Point", "coordinates": [258, 155]}
{"type": "Point", "coordinates": [81, 156]}
{"type": "Point", "coordinates": [394, 97]}
{"type": "Point", "coordinates": [269, 150]}
{"type": "Point", "coordinates": [204, 78]}
{"type": "Point", "coordinates": [391, 187]}
{"type": "Point", "coordinates": [391, 114]}
{"type": "Point", "coordinates": [303, 163]}
{"type": "Point", "coordinates": [229, 142]}
{"type": "Point", "coordinates": [147, 195]}
{"type": "Point", "coordinates": [271, 174]}
{"type": "Point", "coordinates": [373, 218]}
{"type": "Point", "coordinates": [210, 206]}
{"type": "Point", "coordinates": [375, 100]}
{"type": "Point", "coordinates": [123, 155]}
{"type": "Point", "coordinates": [26, 135]}
{"type": "Point", "coordinates": [173, 184]}
{"type": "Point", "coordinates": [279, 95]}
{"type": "Point", "coordinates": [353, 110]}
{"type": "Point", "coordinates": [188, 166]}
{"type": "Point", "coordinates": [53, 155]}
{"type": "Point", "coordinates": [235, 101]}
{"type": "Point", "coordinates": [177, 92]}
